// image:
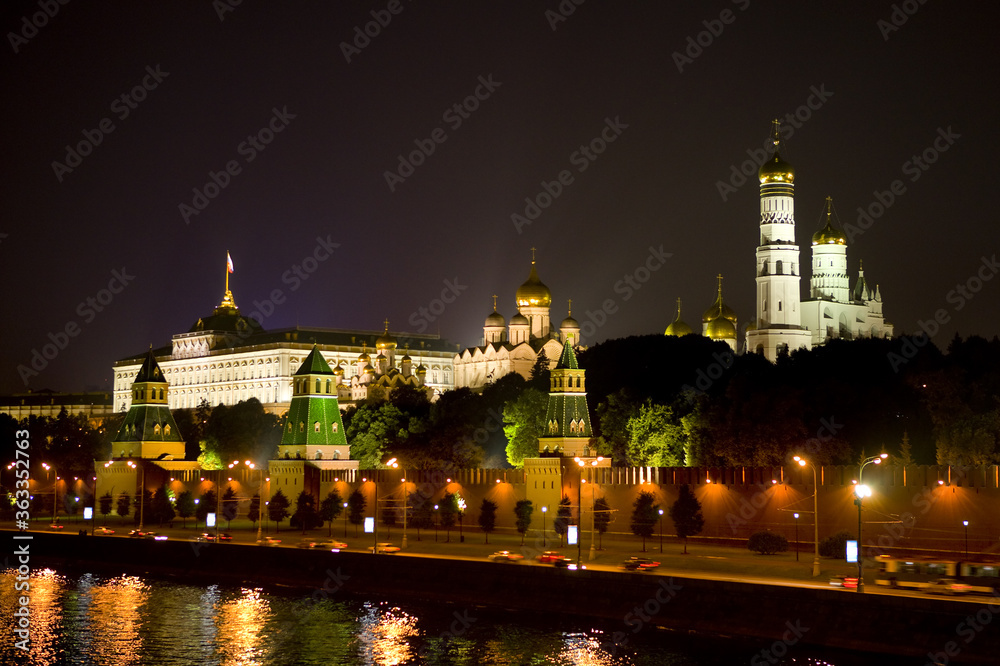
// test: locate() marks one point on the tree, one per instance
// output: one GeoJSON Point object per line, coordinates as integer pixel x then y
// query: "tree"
{"type": "Point", "coordinates": [602, 516]}
{"type": "Point", "coordinates": [644, 515]}
{"type": "Point", "coordinates": [374, 429]}
{"type": "Point", "coordinates": [655, 437]}
{"type": "Point", "coordinates": [540, 372]}
{"type": "Point", "coordinates": [523, 510]}
{"type": "Point", "coordinates": [206, 505]}
{"type": "Point", "coordinates": [449, 512]}
{"type": "Point", "coordinates": [356, 505]}
{"type": "Point", "coordinates": [686, 514]}
{"type": "Point", "coordinates": [331, 507]}
{"type": "Point", "coordinates": [124, 505]}
{"type": "Point", "coordinates": [423, 516]}
{"type": "Point", "coordinates": [836, 545]}
{"type": "Point", "coordinates": [767, 543]}
{"type": "Point", "coordinates": [523, 424]}
{"type": "Point", "coordinates": [564, 517]}
{"type": "Point", "coordinates": [306, 516]}
{"type": "Point", "coordinates": [253, 512]}
{"type": "Point", "coordinates": [160, 508]}
{"type": "Point", "coordinates": [230, 505]}
{"type": "Point", "coordinates": [106, 502]}
{"type": "Point", "coordinates": [905, 451]}
{"type": "Point", "coordinates": [277, 509]}
{"type": "Point", "coordinates": [185, 506]}
{"type": "Point", "coordinates": [487, 517]}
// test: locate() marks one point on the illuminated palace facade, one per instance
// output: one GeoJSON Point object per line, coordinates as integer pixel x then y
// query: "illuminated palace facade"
{"type": "Point", "coordinates": [226, 357]}
{"type": "Point", "coordinates": [782, 321]}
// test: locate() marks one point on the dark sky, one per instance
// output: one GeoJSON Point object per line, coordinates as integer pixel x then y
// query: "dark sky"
{"type": "Point", "coordinates": [886, 97]}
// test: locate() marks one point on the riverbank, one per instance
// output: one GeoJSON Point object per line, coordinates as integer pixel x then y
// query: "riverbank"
{"type": "Point", "coordinates": [783, 614]}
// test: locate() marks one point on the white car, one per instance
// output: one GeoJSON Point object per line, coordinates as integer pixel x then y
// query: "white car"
{"type": "Point", "coordinates": [103, 530]}
{"type": "Point", "coordinates": [384, 548]}
{"type": "Point", "coordinates": [269, 541]}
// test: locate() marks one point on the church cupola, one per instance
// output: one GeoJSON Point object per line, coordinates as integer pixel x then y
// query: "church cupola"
{"type": "Point", "coordinates": [678, 328]}
{"type": "Point", "coordinates": [717, 309]}
{"type": "Point", "coordinates": [829, 261]}
{"type": "Point", "coordinates": [570, 328]}
{"type": "Point", "coordinates": [495, 326]}
{"type": "Point", "coordinates": [533, 302]}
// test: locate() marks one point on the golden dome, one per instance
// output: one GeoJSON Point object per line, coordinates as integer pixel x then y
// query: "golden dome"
{"type": "Point", "coordinates": [339, 371]}
{"type": "Point", "coordinates": [385, 341]}
{"type": "Point", "coordinates": [421, 370]}
{"type": "Point", "coordinates": [718, 308]}
{"type": "Point", "coordinates": [678, 327]}
{"type": "Point", "coordinates": [533, 293]}
{"type": "Point", "coordinates": [721, 328]}
{"type": "Point", "coordinates": [776, 170]}
{"type": "Point", "coordinates": [829, 234]}
{"type": "Point", "coordinates": [363, 356]}
{"type": "Point", "coordinates": [369, 370]}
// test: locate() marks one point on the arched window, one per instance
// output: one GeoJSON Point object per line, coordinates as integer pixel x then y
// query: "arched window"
{"type": "Point", "coordinates": [319, 455]}
{"type": "Point", "coordinates": [317, 386]}
{"type": "Point", "coordinates": [333, 427]}
{"type": "Point", "coordinates": [166, 429]}
{"type": "Point", "coordinates": [329, 384]}
{"type": "Point", "coordinates": [316, 426]}
{"type": "Point", "coordinates": [289, 426]}
{"type": "Point", "coordinates": [302, 426]}
{"type": "Point", "coordinates": [156, 429]}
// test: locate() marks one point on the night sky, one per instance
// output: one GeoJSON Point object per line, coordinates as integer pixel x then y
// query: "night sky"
{"type": "Point", "coordinates": [681, 116]}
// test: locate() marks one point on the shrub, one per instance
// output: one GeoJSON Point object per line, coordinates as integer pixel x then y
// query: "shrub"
{"type": "Point", "coordinates": [767, 543]}
{"type": "Point", "coordinates": [836, 545]}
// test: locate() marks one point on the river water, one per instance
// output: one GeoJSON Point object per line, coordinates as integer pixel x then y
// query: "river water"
{"type": "Point", "coordinates": [136, 620]}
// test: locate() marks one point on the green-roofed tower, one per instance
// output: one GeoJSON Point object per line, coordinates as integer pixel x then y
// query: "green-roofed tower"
{"type": "Point", "coordinates": [149, 430]}
{"type": "Point", "coordinates": [567, 419]}
{"type": "Point", "coordinates": [315, 430]}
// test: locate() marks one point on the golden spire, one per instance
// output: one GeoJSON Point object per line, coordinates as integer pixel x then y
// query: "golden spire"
{"type": "Point", "coordinates": [532, 256]}
{"type": "Point", "coordinates": [569, 308]}
{"type": "Point", "coordinates": [494, 302]}
{"type": "Point", "coordinates": [829, 208]}
{"type": "Point", "coordinates": [776, 137]}
{"type": "Point", "coordinates": [678, 308]}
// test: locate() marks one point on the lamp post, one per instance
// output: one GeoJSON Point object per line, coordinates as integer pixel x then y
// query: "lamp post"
{"type": "Point", "coordinates": [461, 515]}
{"type": "Point", "coordinates": [861, 491]}
{"type": "Point", "coordinates": [966, 524]}
{"type": "Point", "coordinates": [661, 530]}
{"type": "Point", "coordinates": [392, 463]}
{"type": "Point", "coordinates": [435, 523]}
{"type": "Point", "coordinates": [796, 517]}
{"type": "Point", "coordinates": [544, 510]}
{"type": "Point", "coordinates": [345, 520]}
{"type": "Point", "coordinates": [55, 489]}
{"type": "Point", "coordinates": [142, 490]}
{"type": "Point", "coordinates": [802, 463]}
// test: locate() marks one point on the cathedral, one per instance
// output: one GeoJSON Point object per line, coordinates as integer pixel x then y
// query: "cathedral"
{"type": "Point", "coordinates": [782, 321]}
{"type": "Point", "coordinates": [516, 346]}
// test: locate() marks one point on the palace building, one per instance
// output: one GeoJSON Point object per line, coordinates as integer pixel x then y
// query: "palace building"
{"type": "Point", "coordinates": [227, 357]}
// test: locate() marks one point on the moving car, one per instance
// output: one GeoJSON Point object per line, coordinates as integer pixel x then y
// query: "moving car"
{"type": "Point", "coordinates": [384, 548]}
{"type": "Point", "coordinates": [138, 534]}
{"type": "Point", "coordinates": [639, 564]}
{"type": "Point", "coordinates": [947, 586]}
{"type": "Point", "coordinates": [846, 582]}
{"type": "Point", "coordinates": [549, 557]}
{"type": "Point", "coordinates": [325, 545]}
{"type": "Point", "coordinates": [54, 526]}
{"type": "Point", "coordinates": [153, 536]}
{"type": "Point", "coordinates": [103, 530]}
{"type": "Point", "coordinates": [505, 556]}
{"type": "Point", "coordinates": [269, 541]}
{"type": "Point", "coordinates": [209, 536]}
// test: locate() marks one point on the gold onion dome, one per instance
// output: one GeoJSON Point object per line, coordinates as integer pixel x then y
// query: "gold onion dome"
{"type": "Point", "coordinates": [829, 234]}
{"type": "Point", "coordinates": [721, 328]}
{"type": "Point", "coordinates": [339, 371]}
{"type": "Point", "coordinates": [776, 170]}
{"type": "Point", "coordinates": [533, 293]}
{"type": "Point", "coordinates": [363, 356]}
{"type": "Point", "coordinates": [385, 341]}
{"type": "Point", "coordinates": [678, 328]}
{"type": "Point", "coordinates": [369, 370]}
{"type": "Point", "coordinates": [718, 308]}
{"type": "Point", "coordinates": [421, 369]}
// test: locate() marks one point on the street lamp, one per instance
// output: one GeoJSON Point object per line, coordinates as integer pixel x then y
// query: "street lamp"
{"type": "Point", "coordinates": [395, 465]}
{"type": "Point", "coordinates": [861, 491]}
{"type": "Point", "coordinates": [661, 529]}
{"type": "Point", "coordinates": [966, 523]}
{"type": "Point", "coordinates": [345, 520]}
{"type": "Point", "coordinates": [802, 463]}
{"type": "Point", "coordinates": [796, 517]}
{"type": "Point", "coordinates": [55, 490]}
{"type": "Point", "coordinates": [142, 490]}
{"type": "Point", "coordinates": [544, 509]}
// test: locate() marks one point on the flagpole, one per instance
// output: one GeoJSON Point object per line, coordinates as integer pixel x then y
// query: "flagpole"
{"type": "Point", "coordinates": [227, 272]}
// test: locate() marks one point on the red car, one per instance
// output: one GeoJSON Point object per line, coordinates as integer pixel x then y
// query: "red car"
{"type": "Point", "coordinates": [550, 557]}
{"type": "Point", "coordinates": [639, 564]}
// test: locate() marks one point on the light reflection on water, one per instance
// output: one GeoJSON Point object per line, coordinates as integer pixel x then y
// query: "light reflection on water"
{"type": "Point", "coordinates": [135, 621]}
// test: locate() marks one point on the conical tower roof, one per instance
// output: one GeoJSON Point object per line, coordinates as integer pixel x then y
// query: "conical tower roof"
{"type": "Point", "coordinates": [567, 360]}
{"type": "Point", "coordinates": [150, 370]}
{"type": "Point", "coordinates": [314, 364]}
